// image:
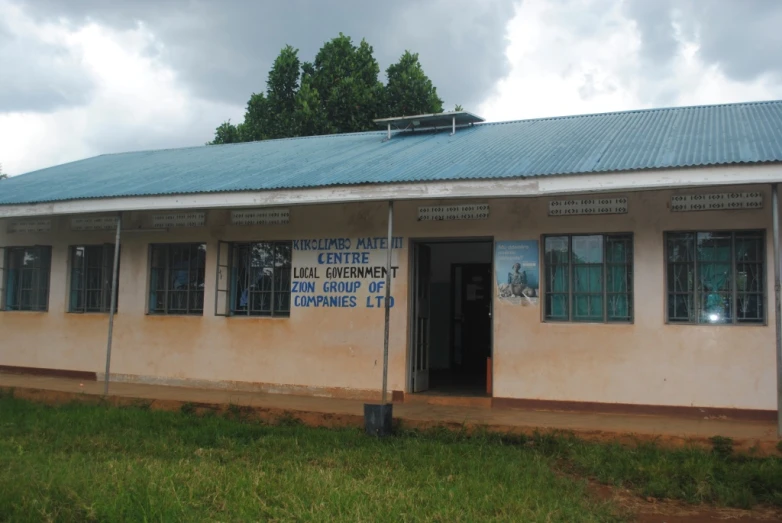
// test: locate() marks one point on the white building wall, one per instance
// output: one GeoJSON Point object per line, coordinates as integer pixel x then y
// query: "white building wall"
{"type": "Point", "coordinates": [338, 351]}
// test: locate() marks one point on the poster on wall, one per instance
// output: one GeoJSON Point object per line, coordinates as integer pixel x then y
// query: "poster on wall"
{"type": "Point", "coordinates": [518, 275]}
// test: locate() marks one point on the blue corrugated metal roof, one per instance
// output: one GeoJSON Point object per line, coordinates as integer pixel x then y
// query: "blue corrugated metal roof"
{"type": "Point", "coordinates": [646, 139]}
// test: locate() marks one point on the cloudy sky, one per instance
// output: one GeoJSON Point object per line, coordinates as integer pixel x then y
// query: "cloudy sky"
{"type": "Point", "coordinates": [86, 77]}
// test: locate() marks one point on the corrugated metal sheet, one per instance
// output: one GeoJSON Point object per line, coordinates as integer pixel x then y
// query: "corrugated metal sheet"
{"type": "Point", "coordinates": [648, 139]}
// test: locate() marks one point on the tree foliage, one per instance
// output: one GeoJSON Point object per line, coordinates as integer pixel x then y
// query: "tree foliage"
{"type": "Point", "coordinates": [339, 92]}
{"type": "Point", "coordinates": [409, 90]}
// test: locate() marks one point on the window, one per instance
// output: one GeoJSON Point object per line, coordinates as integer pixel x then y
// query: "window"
{"type": "Point", "coordinates": [27, 278]}
{"type": "Point", "coordinates": [92, 268]}
{"type": "Point", "coordinates": [261, 279]}
{"type": "Point", "coordinates": [716, 277]}
{"type": "Point", "coordinates": [589, 278]}
{"type": "Point", "coordinates": [176, 280]}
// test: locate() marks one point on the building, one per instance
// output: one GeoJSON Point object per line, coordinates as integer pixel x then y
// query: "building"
{"type": "Point", "coordinates": [620, 261]}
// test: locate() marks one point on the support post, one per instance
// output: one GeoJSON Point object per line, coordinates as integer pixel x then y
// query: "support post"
{"type": "Point", "coordinates": [453, 126]}
{"type": "Point", "coordinates": [777, 303]}
{"type": "Point", "coordinates": [378, 419]}
{"type": "Point", "coordinates": [389, 132]}
{"type": "Point", "coordinates": [112, 306]}
{"type": "Point", "coordinates": [389, 249]}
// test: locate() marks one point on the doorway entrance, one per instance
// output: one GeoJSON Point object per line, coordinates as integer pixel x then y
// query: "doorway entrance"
{"type": "Point", "coordinates": [451, 342]}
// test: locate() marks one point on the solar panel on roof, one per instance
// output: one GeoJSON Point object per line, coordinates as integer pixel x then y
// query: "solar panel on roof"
{"type": "Point", "coordinates": [429, 121]}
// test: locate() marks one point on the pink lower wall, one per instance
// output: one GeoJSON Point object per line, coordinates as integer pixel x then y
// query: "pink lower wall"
{"type": "Point", "coordinates": [338, 351]}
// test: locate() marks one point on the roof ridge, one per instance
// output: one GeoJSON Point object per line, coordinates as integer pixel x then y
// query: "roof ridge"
{"type": "Point", "coordinates": [630, 111]}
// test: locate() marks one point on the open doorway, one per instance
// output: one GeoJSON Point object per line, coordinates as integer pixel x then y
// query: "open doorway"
{"type": "Point", "coordinates": [452, 327]}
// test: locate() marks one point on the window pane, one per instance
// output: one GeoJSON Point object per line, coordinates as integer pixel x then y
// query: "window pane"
{"type": "Point", "coordinates": [177, 278]}
{"type": "Point", "coordinates": [588, 278]}
{"type": "Point", "coordinates": [681, 247]}
{"type": "Point", "coordinates": [157, 292]}
{"type": "Point", "coordinates": [158, 257]}
{"type": "Point", "coordinates": [94, 301]}
{"type": "Point", "coordinates": [715, 307]}
{"type": "Point", "coordinates": [681, 308]}
{"type": "Point", "coordinates": [619, 307]}
{"type": "Point", "coordinates": [587, 249]}
{"type": "Point", "coordinates": [196, 301]}
{"type": "Point", "coordinates": [750, 308]}
{"type": "Point", "coordinates": [283, 303]}
{"type": "Point", "coordinates": [260, 278]}
{"type": "Point", "coordinates": [12, 265]}
{"type": "Point", "coordinates": [557, 307]}
{"type": "Point", "coordinates": [91, 278]}
{"type": "Point", "coordinates": [557, 273]}
{"type": "Point", "coordinates": [556, 248]}
{"type": "Point", "coordinates": [714, 263]}
{"type": "Point", "coordinates": [591, 273]}
{"type": "Point", "coordinates": [177, 301]}
{"type": "Point", "coordinates": [588, 307]}
{"type": "Point", "coordinates": [260, 302]}
{"type": "Point", "coordinates": [618, 249]}
{"type": "Point", "coordinates": [749, 247]}
{"type": "Point", "coordinates": [681, 277]}
{"type": "Point", "coordinates": [27, 278]}
{"type": "Point", "coordinates": [750, 277]}
{"type": "Point", "coordinates": [179, 269]}
{"type": "Point", "coordinates": [618, 278]}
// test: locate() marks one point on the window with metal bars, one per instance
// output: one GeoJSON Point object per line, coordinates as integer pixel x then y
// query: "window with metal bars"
{"type": "Point", "coordinates": [92, 268]}
{"type": "Point", "coordinates": [716, 277]}
{"type": "Point", "coordinates": [176, 279]}
{"type": "Point", "coordinates": [589, 278]}
{"type": "Point", "coordinates": [261, 279]}
{"type": "Point", "coordinates": [27, 272]}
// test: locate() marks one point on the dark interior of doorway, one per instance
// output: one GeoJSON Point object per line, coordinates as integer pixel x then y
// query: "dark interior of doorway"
{"type": "Point", "coordinates": [460, 330]}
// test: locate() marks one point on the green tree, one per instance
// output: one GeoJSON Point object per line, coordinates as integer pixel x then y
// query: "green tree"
{"type": "Point", "coordinates": [257, 120]}
{"type": "Point", "coordinates": [409, 90]}
{"type": "Point", "coordinates": [311, 118]}
{"type": "Point", "coordinates": [281, 88]}
{"type": "Point", "coordinates": [345, 77]}
{"type": "Point", "coordinates": [226, 132]}
{"type": "Point", "coordinates": [338, 92]}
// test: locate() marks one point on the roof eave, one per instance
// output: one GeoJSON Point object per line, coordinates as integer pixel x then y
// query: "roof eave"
{"type": "Point", "coordinates": [559, 185]}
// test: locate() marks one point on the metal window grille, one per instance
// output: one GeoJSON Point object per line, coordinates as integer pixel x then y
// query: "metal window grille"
{"type": "Point", "coordinates": [260, 278]}
{"type": "Point", "coordinates": [27, 272]}
{"type": "Point", "coordinates": [176, 282]}
{"type": "Point", "coordinates": [589, 278]}
{"type": "Point", "coordinates": [716, 277]}
{"type": "Point", "coordinates": [91, 273]}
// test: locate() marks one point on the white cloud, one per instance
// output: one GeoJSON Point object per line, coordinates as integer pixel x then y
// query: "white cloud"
{"type": "Point", "coordinates": [584, 56]}
{"type": "Point", "coordinates": [91, 87]}
{"type": "Point", "coordinates": [136, 103]}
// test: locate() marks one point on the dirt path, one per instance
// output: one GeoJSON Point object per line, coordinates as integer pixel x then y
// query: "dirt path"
{"type": "Point", "coordinates": [669, 511]}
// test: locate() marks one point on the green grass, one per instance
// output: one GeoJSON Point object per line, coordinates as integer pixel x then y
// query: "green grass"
{"type": "Point", "coordinates": [690, 474]}
{"type": "Point", "coordinates": [83, 462]}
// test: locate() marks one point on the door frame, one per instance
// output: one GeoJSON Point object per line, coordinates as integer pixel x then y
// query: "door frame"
{"type": "Point", "coordinates": [412, 271]}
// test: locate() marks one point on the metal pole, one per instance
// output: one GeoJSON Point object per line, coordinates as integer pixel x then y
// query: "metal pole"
{"type": "Point", "coordinates": [111, 306]}
{"type": "Point", "coordinates": [389, 248]}
{"type": "Point", "coordinates": [777, 303]}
